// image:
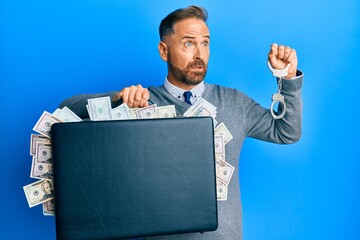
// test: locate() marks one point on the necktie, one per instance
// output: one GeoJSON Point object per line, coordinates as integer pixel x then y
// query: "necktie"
{"type": "Point", "coordinates": [187, 96]}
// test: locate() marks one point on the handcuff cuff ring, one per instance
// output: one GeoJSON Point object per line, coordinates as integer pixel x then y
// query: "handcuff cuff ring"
{"type": "Point", "coordinates": [278, 97]}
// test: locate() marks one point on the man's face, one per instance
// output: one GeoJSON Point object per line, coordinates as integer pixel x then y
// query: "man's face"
{"type": "Point", "coordinates": [188, 52]}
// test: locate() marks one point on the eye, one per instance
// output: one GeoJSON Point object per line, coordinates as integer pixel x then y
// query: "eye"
{"type": "Point", "coordinates": [205, 43]}
{"type": "Point", "coordinates": [188, 44]}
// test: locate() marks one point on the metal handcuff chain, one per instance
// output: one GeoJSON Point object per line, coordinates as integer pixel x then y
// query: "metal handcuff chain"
{"type": "Point", "coordinates": [278, 97]}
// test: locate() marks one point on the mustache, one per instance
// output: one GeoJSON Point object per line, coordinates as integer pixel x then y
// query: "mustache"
{"type": "Point", "coordinates": [197, 63]}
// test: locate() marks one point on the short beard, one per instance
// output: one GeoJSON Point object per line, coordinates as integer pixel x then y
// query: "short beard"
{"type": "Point", "coordinates": [185, 76]}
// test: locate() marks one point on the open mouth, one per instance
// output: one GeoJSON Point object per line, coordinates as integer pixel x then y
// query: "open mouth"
{"type": "Point", "coordinates": [199, 67]}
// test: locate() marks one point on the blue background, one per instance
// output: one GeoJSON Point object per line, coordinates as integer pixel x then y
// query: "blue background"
{"type": "Point", "coordinates": [51, 50]}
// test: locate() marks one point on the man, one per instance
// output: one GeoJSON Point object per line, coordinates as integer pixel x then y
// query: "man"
{"type": "Point", "coordinates": [184, 46]}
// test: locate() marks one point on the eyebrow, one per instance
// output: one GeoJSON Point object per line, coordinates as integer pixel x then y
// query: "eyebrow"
{"type": "Point", "coordinates": [190, 37]}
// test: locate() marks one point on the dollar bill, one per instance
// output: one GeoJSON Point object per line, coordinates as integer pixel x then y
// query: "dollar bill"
{"type": "Point", "coordinates": [34, 139]}
{"type": "Point", "coordinates": [66, 115]}
{"type": "Point", "coordinates": [220, 157]}
{"type": "Point", "coordinates": [132, 112]}
{"type": "Point", "coordinates": [43, 125]}
{"type": "Point", "coordinates": [39, 192]}
{"type": "Point", "coordinates": [224, 171]}
{"type": "Point", "coordinates": [56, 111]}
{"type": "Point", "coordinates": [146, 112]}
{"type": "Point", "coordinates": [43, 152]}
{"type": "Point", "coordinates": [49, 208]}
{"type": "Point", "coordinates": [222, 130]}
{"type": "Point", "coordinates": [166, 111]}
{"type": "Point", "coordinates": [202, 111]}
{"type": "Point", "coordinates": [202, 101]}
{"type": "Point", "coordinates": [89, 112]}
{"type": "Point", "coordinates": [120, 112]}
{"type": "Point", "coordinates": [221, 191]}
{"type": "Point", "coordinates": [219, 144]}
{"type": "Point", "coordinates": [41, 170]}
{"type": "Point", "coordinates": [100, 108]}
{"type": "Point", "coordinates": [201, 108]}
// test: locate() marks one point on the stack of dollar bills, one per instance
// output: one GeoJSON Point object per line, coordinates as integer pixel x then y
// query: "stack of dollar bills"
{"type": "Point", "coordinates": [42, 191]}
{"type": "Point", "coordinates": [99, 109]}
{"type": "Point", "coordinates": [224, 170]}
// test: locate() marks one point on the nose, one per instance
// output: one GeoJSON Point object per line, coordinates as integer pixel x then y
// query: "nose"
{"type": "Point", "coordinates": [199, 53]}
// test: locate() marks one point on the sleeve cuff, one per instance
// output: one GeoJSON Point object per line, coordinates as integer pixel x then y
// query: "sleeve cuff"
{"type": "Point", "coordinates": [294, 83]}
{"type": "Point", "coordinates": [298, 75]}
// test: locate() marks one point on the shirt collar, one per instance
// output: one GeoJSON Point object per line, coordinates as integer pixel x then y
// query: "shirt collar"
{"type": "Point", "coordinates": [177, 92]}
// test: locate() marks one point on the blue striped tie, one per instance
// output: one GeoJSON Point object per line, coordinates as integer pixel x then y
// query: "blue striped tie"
{"type": "Point", "coordinates": [187, 96]}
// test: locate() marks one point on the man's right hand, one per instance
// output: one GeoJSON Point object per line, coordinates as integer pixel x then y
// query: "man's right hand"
{"type": "Point", "coordinates": [133, 96]}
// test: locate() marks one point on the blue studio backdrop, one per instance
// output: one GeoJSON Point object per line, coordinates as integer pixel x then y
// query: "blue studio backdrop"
{"type": "Point", "coordinates": [51, 50]}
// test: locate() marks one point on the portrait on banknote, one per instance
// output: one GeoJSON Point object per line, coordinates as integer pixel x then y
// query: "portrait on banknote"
{"type": "Point", "coordinates": [48, 189]}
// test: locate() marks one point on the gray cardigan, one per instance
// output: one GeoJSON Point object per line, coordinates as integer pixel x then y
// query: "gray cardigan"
{"type": "Point", "coordinates": [244, 118]}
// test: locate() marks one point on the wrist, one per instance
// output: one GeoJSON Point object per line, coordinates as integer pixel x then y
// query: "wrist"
{"type": "Point", "coordinates": [292, 75]}
{"type": "Point", "coordinates": [289, 76]}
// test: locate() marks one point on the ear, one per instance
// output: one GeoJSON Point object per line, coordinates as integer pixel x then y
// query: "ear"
{"type": "Point", "coordinates": [163, 51]}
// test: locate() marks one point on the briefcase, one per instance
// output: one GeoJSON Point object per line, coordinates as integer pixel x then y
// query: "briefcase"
{"type": "Point", "coordinates": [134, 178]}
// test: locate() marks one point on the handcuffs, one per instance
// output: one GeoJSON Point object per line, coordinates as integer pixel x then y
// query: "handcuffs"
{"type": "Point", "coordinates": [278, 97]}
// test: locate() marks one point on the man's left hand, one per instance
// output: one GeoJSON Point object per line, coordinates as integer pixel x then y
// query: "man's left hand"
{"type": "Point", "coordinates": [281, 56]}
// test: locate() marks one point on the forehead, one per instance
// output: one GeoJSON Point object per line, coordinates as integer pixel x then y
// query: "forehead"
{"type": "Point", "coordinates": [191, 27]}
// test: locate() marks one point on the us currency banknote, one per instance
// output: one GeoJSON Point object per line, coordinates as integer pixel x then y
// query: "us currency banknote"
{"type": "Point", "coordinates": [39, 192]}
{"type": "Point", "coordinates": [201, 108]}
{"type": "Point", "coordinates": [66, 115]}
{"type": "Point", "coordinates": [89, 111]}
{"type": "Point", "coordinates": [34, 139]}
{"type": "Point", "coordinates": [43, 125]}
{"type": "Point", "coordinates": [56, 111]}
{"type": "Point", "coordinates": [121, 112]}
{"type": "Point", "coordinates": [219, 145]}
{"type": "Point", "coordinates": [221, 191]}
{"type": "Point", "coordinates": [41, 170]}
{"type": "Point", "coordinates": [43, 152]}
{"type": "Point", "coordinates": [99, 108]}
{"type": "Point", "coordinates": [220, 157]}
{"type": "Point", "coordinates": [166, 111]}
{"type": "Point", "coordinates": [146, 112]}
{"type": "Point", "coordinates": [49, 208]}
{"type": "Point", "coordinates": [224, 171]}
{"type": "Point", "coordinates": [221, 129]}
{"type": "Point", "coordinates": [132, 112]}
